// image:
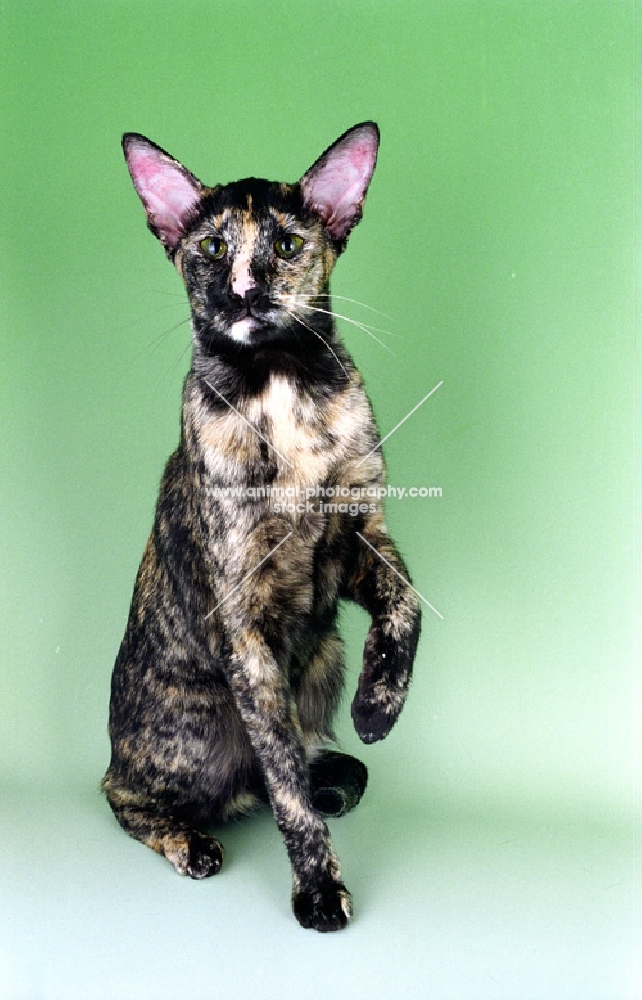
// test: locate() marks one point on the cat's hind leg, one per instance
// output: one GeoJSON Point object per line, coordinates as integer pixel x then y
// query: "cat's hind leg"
{"type": "Point", "coordinates": [337, 782]}
{"type": "Point", "coordinates": [190, 851]}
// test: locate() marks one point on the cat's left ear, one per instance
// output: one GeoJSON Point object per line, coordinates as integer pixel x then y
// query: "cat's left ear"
{"type": "Point", "coordinates": [168, 191]}
{"type": "Point", "coordinates": [335, 187]}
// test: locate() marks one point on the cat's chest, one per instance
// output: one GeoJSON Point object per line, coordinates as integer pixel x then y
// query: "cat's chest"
{"type": "Point", "coordinates": [300, 439]}
{"type": "Point", "coordinates": [298, 430]}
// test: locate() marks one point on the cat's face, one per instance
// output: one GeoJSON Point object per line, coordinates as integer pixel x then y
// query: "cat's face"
{"type": "Point", "coordinates": [255, 263]}
{"type": "Point", "coordinates": [256, 256]}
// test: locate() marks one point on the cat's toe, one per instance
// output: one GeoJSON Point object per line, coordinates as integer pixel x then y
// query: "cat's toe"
{"type": "Point", "coordinates": [205, 856]}
{"type": "Point", "coordinates": [373, 717]}
{"type": "Point", "coordinates": [194, 854]}
{"type": "Point", "coordinates": [325, 907]}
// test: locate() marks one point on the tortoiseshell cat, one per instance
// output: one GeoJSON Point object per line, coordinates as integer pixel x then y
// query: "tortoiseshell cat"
{"type": "Point", "coordinates": [231, 668]}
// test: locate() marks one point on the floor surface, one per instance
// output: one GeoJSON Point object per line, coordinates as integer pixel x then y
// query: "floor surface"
{"type": "Point", "coordinates": [446, 906]}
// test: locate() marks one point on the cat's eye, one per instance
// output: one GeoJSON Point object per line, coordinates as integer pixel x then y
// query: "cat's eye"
{"type": "Point", "coordinates": [288, 245]}
{"type": "Point", "coordinates": [213, 248]}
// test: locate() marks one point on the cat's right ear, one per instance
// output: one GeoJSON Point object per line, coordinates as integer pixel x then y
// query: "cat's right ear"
{"type": "Point", "coordinates": [168, 191]}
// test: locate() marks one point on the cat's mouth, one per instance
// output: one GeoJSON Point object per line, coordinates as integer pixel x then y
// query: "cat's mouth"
{"type": "Point", "coordinates": [255, 321]}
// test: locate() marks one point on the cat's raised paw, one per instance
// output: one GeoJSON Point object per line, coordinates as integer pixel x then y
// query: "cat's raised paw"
{"type": "Point", "coordinates": [372, 717]}
{"type": "Point", "coordinates": [384, 681]}
{"type": "Point", "coordinates": [326, 907]}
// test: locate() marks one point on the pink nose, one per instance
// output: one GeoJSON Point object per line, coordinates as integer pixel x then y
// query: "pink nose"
{"type": "Point", "coordinates": [242, 278]}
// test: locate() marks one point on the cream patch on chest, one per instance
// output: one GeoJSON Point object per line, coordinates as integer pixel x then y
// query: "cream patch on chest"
{"type": "Point", "coordinates": [295, 426]}
{"type": "Point", "coordinates": [312, 441]}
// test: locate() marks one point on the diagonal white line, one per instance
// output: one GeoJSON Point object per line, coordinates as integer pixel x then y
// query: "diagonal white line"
{"type": "Point", "coordinates": [399, 424]}
{"type": "Point", "coordinates": [257, 432]}
{"type": "Point", "coordinates": [407, 582]}
{"type": "Point", "coordinates": [248, 575]}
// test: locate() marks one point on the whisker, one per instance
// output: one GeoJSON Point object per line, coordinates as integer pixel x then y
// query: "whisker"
{"type": "Point", "coordinates": [361, 326]}
{"type": "Point", "coordinates": [344, 298]}
{"type": "Point", "coordinates": [154, 344]}
{"type": "Point", "coordinates": [366, 327]}
{"type": "Point", "coordinates": [298, 320]}
{"type": "Point", "coordinates": [180, 356]}
{"type": "Point", "coordinates": [135, 324]}
{"type": "Point", "coordinates": [172, 368]}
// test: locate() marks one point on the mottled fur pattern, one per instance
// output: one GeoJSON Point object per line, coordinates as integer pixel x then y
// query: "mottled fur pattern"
{"type": "Point", "coordinates": [231, 667]}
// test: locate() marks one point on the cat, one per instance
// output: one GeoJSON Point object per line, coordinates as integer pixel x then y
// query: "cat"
{"type": "Point", "coordinates": [231, 667]}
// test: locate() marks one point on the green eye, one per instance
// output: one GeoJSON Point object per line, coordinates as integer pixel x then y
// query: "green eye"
{"type": "Point", "coordinates": [289, 245]}
{"type": "Point", "coordinates": [213, 248]}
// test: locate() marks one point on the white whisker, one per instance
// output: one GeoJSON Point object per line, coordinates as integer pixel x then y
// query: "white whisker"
{"type": "Point", "coordinates": [298, 320]}
{"type": "Point", "coordinates": [366, 328]}
{"type": "Point", "coordinates": [355, 302]}
{"type": "Point", "coordinates": [362, 326]}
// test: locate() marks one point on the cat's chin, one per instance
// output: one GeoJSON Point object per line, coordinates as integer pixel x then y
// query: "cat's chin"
{"type": "Point", "coordinates": [252, 331]}
{"type": "Point", "coordinates": [243, 330]}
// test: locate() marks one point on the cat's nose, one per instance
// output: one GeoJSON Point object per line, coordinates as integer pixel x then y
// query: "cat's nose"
{"type": "Point", "coordinates": [253, 295]}
{"type": "Point", "coordinates": [252, 300]}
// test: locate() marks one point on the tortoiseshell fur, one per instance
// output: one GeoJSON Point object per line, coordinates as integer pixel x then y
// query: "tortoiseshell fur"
{"type": "Point", "coordinates": [231, 667]}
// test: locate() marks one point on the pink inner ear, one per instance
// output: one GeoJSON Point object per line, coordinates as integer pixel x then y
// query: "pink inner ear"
{"type": "Point", "coordinates": [167, 191]}
{"type": "Point", "coordinates": [336, 186]}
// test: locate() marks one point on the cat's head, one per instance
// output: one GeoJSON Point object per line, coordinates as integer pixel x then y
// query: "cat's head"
{"type": "Point", "coordinates": [256, 256]}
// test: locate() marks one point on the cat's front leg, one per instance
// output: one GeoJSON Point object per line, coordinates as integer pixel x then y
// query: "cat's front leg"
{"type": "Point", "coordinates": [377, 581]}
{"type": "Point", "coordinates": [319, 898]}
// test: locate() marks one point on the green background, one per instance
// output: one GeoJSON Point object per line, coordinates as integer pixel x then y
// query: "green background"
{"type": "Point", "coordinates": [493, 855]}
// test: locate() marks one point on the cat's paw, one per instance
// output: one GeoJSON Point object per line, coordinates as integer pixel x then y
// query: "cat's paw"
{"type": "Point", "coordinates": [383, 686]}
{"type": "Point", "coordinates": [337, 782]}
{"type": "Point", "coordinates": [195, 854]}
{"type": "Point", "coordinates": [325, 907]}
{"type": "Point", "coordinates": [205, 856]}
{"type": "Point", "coordinates": [375, 711]}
